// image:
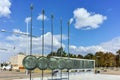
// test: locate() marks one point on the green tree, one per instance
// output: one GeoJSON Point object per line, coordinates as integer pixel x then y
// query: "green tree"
{"type": "Point", "coordinates": [21, 53]}
{"type": "Point", "coordinates": [89, 56]}
{"type": "Point", "coordinates": [99, 58]}
{"type": "Point", "coordinates": [64, 54]}
{"type": "Point", "coordinates": [71, 55]}
{"type": "Point", "coordinates": [118, 58]}
{"type": "Point", "coordinates": [60, 51]}
{"type": "Point", "coordinates": [52, 54]}
{"type": "Point", "coordinates": [80, 56]}
{"type": "Point", "coordinates": [118, 52]}
{"type": "Point", "coordinates": [109, 59]}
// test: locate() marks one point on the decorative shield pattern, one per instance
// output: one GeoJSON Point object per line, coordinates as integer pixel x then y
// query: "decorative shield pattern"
{"type": "Point", "coordinates": [91, 63]}
{"type": "Point", "coordinates": [83, 64]}
{"type": "Point", "coordinates": [53, 64]}
{"type": "Point", "coordinates": [69, 64]}
{"type": "Point", "coordinates": [42, 63]}
{"type": "Point", "coordinates": [76, 64]}
{"type": "Point", "coordinates": [30, 62]}
{"type": "Point", "coordinates": [80, 67]}
{"type": "Point", "coordinates": [61, 63]}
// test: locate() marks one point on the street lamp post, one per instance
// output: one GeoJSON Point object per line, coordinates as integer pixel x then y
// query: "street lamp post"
{"type": "Point", "coordinates": [27, 20]}
{"type": "Point", "coordinates": [18, 33]}
{"type": "Point", "coordinates": [12, 32]}
{"type": "Point", "coordinates": [3, 49]}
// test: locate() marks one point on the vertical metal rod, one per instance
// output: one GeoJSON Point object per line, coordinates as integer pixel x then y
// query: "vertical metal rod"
{"type": "Point", "coordinates": [68, 74]}
{"type": "Point", "coordinates": [52, 33]}
{"type": "Point", "coordinates": [61, 74]}
{"type": "Point", "coordinates": [52, 74]}
{"type": "Point", "coordinates": [43, 33]}
{"type": "Point", "coordinates": [68, 44]}
{"type": "Point", "coordinates": [52, 38]}
{"type": "Point", "coordinates": [42, 36]}
{"type": "Point", "coordinates": [68, 39]}
{"type": "Point", "coordinates": [61, 42]}
{"type": "Point", "coordinates": [31, 7]}
{"type": "Point", "coordinates": [61, 34]}
{"type": "Point", "coordinates": [42, 74]}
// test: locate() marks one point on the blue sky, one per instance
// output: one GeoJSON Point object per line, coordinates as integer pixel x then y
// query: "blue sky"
{"type": "Point", "coordinates": [94, 27]}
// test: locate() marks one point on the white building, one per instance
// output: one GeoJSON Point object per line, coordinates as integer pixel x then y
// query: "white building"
{"type": "Point", "coordinates": [16, 61]}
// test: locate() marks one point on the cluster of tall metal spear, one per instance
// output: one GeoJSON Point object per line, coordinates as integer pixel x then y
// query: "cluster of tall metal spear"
{"type": "Point", "coordinates": [30, 61]}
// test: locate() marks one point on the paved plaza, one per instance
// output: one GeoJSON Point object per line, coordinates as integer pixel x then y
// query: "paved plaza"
{"type": "Point", "coordinates": [80, 76]}
{"type": "Point", "coordinates": [13, 75]}
{"type": "Point", "coordinates": [10, 75]}
{"type": "Point", "coordinates": [84, 76]}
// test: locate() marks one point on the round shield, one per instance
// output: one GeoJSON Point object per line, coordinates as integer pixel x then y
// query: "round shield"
{"type": "Point", "coordinates": [30, 62]}
{"type": "Point", "coordinates": [76, 64]}
{"type": "Point", "coordinates": [53, 64]}
{"type": "Point", "coordinates": [61, 63]}
{"type": "Point", "coordinates": [42, 63]}
{"type": "Point", "coordinates": [69, 64]}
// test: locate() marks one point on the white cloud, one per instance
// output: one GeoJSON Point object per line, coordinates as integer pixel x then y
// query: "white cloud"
{"type": "Point", "coordinates": [109, 46]}
{"type": "Point", "coordinates": [64, 37]}
{"type": "Point", "coordinates": [40, 17]}
{"type": "Point", "coordinates": [21, 43]}
{"type": "Point", "coordinates": [112, 45]}
{"type": "Point", "coordinates": [5, 8]}
{"type": "Point", "coordinates": [87, 20]}
{"type": "Point", "coordinates": [84, 50]}
{"type": "Point", "coordinates": [27, 20]}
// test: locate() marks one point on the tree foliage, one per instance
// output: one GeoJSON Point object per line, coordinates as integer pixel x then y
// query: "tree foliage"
{"type": "Point", "coordinates": [102, 59]}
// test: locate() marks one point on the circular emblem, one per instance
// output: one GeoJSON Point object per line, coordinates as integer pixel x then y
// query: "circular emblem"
{"type": "Point", "coordinates": [42, 63]}
{"type": "Point", "coordinates": [53, 64]}
{"type": "Point", "coordinates": [69, 64]}
{"type": "Point", "coordinates": [30, 62]}
{"type": "Point", "coordinates": [76, 64]}
{"type": "Point", "coordinates": [61, 63]}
